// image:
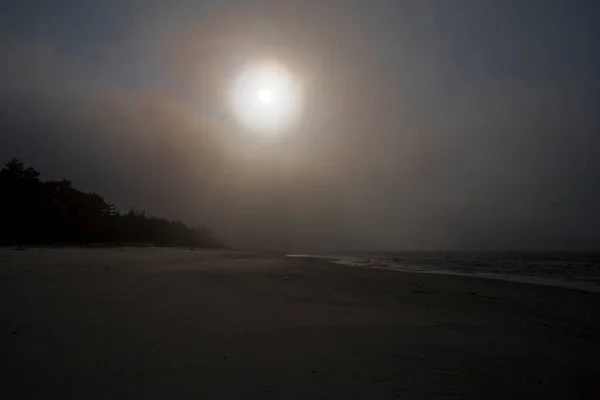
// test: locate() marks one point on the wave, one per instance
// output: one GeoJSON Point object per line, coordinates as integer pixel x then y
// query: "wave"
{"type": "Point", "coordinates": [574, 271]}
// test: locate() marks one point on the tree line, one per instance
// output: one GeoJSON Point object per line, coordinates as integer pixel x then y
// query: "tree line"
{"type": "Point", "coordinates": [33, 211]}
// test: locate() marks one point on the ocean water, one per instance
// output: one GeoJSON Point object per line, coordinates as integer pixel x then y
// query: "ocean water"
{"type": "Point", "coordinates": [573, 270]}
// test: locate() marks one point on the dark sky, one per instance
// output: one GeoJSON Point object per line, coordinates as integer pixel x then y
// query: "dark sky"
{"type": "Point", "coordinates": [465, 124]}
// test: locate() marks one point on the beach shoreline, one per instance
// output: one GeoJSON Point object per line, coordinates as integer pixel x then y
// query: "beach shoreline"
{"type": "Point", "coordinates": [589, 285]}
{"type": "Point", "coordinates": [160, 322]}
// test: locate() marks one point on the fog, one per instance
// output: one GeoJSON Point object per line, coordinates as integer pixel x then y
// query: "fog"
{"type": "Point", "coordinates": [424, 125]}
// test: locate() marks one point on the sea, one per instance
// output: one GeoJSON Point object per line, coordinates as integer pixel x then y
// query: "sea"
{"type": "Point", "coordinates": [570, 270]}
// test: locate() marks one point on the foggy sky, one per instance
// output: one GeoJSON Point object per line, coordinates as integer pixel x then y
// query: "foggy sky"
{"type": "Point", "coordinates": [467, 124]}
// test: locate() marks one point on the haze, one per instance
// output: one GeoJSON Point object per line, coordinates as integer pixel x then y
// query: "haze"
{"type": "Point", "coordinates": [469, 124]}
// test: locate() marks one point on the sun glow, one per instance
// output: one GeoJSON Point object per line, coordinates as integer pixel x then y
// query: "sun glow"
{"type": "Point", "coordinates": [267, 98]}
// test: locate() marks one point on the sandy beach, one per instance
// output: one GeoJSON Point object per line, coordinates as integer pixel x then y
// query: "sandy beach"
{"type": "Point", "coordinates": [154, 323]}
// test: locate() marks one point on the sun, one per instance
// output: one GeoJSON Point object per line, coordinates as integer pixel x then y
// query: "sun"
{"type": "Point", "coordinates": [264, 96]}
{"type": "Point", "coordinates": [267, 98]}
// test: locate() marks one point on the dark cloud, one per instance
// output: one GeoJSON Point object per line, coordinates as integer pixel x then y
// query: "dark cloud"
{"type": "Point", "coordinates": [407, 148]}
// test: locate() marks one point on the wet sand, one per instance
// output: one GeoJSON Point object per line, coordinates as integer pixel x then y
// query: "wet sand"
{"type": "Point", "coordinates": [155, 323]}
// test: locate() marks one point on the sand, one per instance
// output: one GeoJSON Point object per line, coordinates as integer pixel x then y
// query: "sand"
{"type": "Point", "coordinates": [154, 323]}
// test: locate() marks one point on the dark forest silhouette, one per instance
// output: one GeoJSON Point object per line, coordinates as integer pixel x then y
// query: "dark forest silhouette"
{"type": "Point", "coordinates": [33, 211]}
